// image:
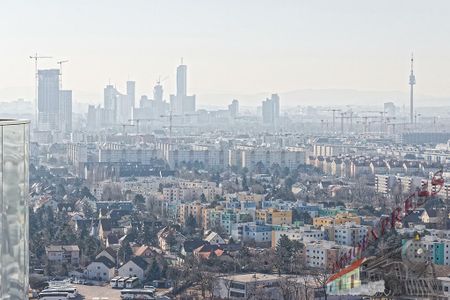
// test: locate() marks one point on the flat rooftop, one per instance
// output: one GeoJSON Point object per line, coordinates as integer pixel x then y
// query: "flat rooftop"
{"type": "Point", "coordinates": [252, 277]}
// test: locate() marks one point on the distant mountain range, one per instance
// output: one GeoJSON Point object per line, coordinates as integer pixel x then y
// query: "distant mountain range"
{"type": "Point", "coordinates": [326, 97]}
{"type": "Point", "coordinates": [304, 97]}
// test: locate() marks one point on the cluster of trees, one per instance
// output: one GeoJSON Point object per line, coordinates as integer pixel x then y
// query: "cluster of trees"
{"type": "Point", "coordinates": [50, 228]}
{"type": "Point", "coordinates": [301, 216]}
{"type": "Point", "coordinates": [288, 255]}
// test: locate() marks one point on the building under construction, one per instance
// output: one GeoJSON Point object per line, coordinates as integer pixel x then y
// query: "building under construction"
{"type": "Point", "coordinates": [405, 278]}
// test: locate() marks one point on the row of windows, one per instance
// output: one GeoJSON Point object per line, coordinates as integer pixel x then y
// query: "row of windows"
{"type": "Point", "coordinates": [314, 251]}
{"type": "Point", "coordinates": [315, 257]}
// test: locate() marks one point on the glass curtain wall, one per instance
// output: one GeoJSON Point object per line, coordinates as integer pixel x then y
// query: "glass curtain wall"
{"type": "Point", "coordinates": [14, 193]}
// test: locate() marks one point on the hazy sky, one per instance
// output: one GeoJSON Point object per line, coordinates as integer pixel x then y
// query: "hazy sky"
{"type": "Point", "coordinates": [233, 46]}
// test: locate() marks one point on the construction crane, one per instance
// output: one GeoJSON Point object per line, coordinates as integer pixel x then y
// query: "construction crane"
{"type": "Point", "coordinates": [416, 114]}
{"type": "Point", "coordinates": [366, 118]}
{"type": "Point", "coordinates": [372, 122]}
{"type": "Point", "coordinates": [381, 112]}
{"type": "Point", "coordinates": [334, 110]}
{"type": "Point", "coordinates": [37, 57]}
{"type": "Point", "coordinates": [124, 127]}
{"type": "Point", "coordinates": [170, 116]}
{"type": "Point", "coordinates": [396, 124]}
{"type": "Point", "coordinates": [350, 112]}
{"type": "Point", "coordinates": [158, 82]}
{"type": "Point", "coordinates": [324, 124]}
{"type": "Point", "coordinates": [387, 121]}
{"type": "Point", "coordinates": [345, 116]}
{"type": "Point", "coordinates": [138, 120]}
{"type": "Point", "coordinates": [60, 63]}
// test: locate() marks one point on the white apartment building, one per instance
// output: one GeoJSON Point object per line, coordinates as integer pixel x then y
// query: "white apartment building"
{"type": "Point", "coordinates": [321, 254]}
{"type": "Point", "coordinates": [289, 157]}
{"type": "Point", "coordinates": [206, 156]}
{"type": "Point", "coordinates": [298, 234]}
{"type": "Point", "coordinates": [192, 190]}
{"type": "Point", "coordinates": [349, 234]}
{"type": "Point", "coordinates": [116, 153]}
{"type": "Point", "coordinates": [77, 153]}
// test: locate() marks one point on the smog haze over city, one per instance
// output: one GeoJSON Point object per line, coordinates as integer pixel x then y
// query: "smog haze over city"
{"type": "Point", "coordinates": [283, 150]}
{"type": "Point", "coordinates": [234, 48]}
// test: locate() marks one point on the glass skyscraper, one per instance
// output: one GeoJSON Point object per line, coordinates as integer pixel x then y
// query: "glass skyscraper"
{"type": "Point", "coordinates": [48, 99]}
{"type": "Point", "coordinates": [14, 157]}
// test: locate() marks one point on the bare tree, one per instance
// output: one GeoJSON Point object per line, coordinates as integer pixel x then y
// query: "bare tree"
{"type": "Point", "coordinates": [320, 278]}
{"type": "Point", "coordinates": [206, 281]}
{"type": "Point", "coordinates": [289, 289]}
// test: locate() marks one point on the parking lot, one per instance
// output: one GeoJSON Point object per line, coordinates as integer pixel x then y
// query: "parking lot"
{"type": "Point", "coordinates": [89, 292]}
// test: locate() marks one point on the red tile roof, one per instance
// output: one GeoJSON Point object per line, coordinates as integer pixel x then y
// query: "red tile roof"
{"type": "Point", "coordinates": [356, 264]}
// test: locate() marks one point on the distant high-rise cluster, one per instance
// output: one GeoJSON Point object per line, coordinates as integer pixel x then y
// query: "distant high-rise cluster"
{"type": "Point", "coordinates": [271, 111]}
{"type": "Point", "coordinates": [151, 109]}
{"type": "Point", "coordinates": [121, 109]}
{"type": "Point", "coordinates": [118, 106]}
{"type": "Point", "coordinates": [54, 104]}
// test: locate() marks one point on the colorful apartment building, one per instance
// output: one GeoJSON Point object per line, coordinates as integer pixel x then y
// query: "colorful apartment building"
{"type": "Point", "coordinates": [274, 217]}
{"type": "Point", "coordinates": [339, 219]}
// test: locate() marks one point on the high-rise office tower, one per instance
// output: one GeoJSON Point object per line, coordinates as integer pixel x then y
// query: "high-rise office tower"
{"type": "Point", "coordinates": [109, 97]}
{"type": "Point", "coordinates": [158, 92]}
{"type": "Point", "coordinates": [181, 103]}
{"type": "Point", "coordinates": [125, 109]}
{"type": "Point", "coordinates": [48, 99]}
{"type": "Point", "coordinates": [159, 104]}
{"type": "Point", "coordinates": [119, 107]}
{"type": "Point", "coordinates": [92, 118]}
{"type": "Point", "coordinates": [14, 159]}
{"type": "Point", "coordinates": [412, 82]}
{"type": "Point", "coordinates": [389, 109]}
{"type": "Point", "coordinates": [233, 108]}
{"type": "Point", "coordinates": [189, 104]}
{"type": "Point", "coordinates": [110, 103]}
{"type": "Point", "coordinates": [131, 93]}
{"type": "Point", "coordinates": [271, 111]}
{"type": "Point", "coordinates": [65, 111]}
{"type": "Point", "coordinates": [144, 102]}
{"type": "Point", "coordinates": [181, 80]}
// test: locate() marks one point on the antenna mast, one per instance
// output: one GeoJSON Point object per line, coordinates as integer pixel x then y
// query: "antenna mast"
{"type": "Point", "coordinates": [412, 82]}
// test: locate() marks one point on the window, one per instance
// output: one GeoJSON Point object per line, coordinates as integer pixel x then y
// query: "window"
{"type": "Point", "coordinates": [237, 286]}
{"type": "Point", "coordinates": [237, 294]}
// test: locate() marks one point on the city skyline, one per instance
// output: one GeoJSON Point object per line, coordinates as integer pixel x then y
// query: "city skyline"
{"type": "Point", "coordinates": [317, 46]}
{"type": "Point", "coordinates": [253, 149]}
